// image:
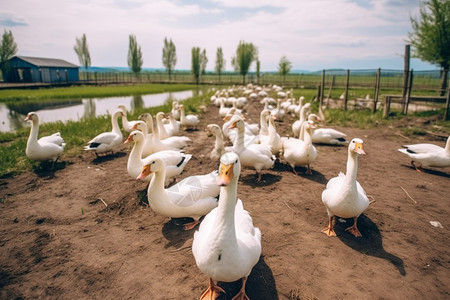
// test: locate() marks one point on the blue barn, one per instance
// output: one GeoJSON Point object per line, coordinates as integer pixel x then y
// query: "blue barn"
{"type": "Point", "coordinates": [37, 69]}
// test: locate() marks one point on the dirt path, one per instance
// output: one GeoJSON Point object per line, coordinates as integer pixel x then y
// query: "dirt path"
{"type": "Point", "coordinates": [82, 232]}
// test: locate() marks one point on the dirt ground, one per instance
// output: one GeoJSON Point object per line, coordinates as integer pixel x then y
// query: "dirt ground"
{"type": "Point", "coordinates": [81, 231]}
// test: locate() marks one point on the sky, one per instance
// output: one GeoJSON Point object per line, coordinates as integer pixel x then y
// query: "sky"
{"type": "Point", "coordinates": [312, 34]}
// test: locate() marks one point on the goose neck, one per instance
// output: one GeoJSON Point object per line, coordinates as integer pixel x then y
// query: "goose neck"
{"type": "Point", "coordinates": [225, 221]}
{"type": "Point", "coordinates": [352, 167]}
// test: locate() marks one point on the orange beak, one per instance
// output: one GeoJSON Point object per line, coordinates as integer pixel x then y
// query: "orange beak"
{"type": "Point", "coordinates": [145, 172]}
{"type": "Point", "coordinates": [225, 175]}
{"type": "Point", "coordinates": [233, 125]}
{"type": "Point", "coordinates": [359, 148]}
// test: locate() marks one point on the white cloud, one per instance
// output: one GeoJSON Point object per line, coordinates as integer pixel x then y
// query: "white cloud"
{"type": "Point", "coordinates": [312, 34]}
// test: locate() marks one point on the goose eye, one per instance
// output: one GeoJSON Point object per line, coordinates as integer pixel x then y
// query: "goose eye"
{"type": "Point", "coordinates": [153, 162]}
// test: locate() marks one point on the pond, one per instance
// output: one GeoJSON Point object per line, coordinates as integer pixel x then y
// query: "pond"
{"type": "Point", "coordinates": [12, 116]}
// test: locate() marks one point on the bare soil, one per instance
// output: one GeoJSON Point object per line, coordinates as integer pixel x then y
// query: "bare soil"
{"type": "Point", "coordinates": [83, 230]}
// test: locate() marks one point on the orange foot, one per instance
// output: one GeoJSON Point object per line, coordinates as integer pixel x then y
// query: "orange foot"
{"type": "Point", "coordinates": [329, 231]}
{"type": "Point", "coordinates": [354, 229]}
{"type": "Point", "coordinates": [242, 295]}
{"type": "Point", "coordinates": [212, 292]}
{"type": "Point", "coordinates": [191, 225]}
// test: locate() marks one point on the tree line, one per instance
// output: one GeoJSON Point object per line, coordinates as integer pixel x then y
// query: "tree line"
{"type": "Point", "coordinates": [429, 38]}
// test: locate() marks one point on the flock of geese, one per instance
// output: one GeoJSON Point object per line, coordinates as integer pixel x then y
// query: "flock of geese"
{"type": "Point", "coordinates": [227, 245]}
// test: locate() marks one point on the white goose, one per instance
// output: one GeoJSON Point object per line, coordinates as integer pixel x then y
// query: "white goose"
{"type": "Point", "coordinates": [300, 153]}
{"type": "Point", "coordinates": [107, 141]}
{"type": "Point", "coordinates": [175, 160]}
{"type": "Point", "coordinates": [278, 112]}
{"type": "Point", "coordinates": [273, 138]}
{"type": "Point", "coordinates": [47, 147]}
{"type": "Point", "coordinates": [257, 156]}
{"type": "Point", "coordinates": [343, 195]}
{"type": "Point", "coordinates": [219, 148]}
{"type": "Point", "coordinates": [164, 130]}
{"type": "Point", "coordinates": [297, 125]}
{"type": "Point", "coordinates": [327, 136]}
{"type": "Point", "coordinates": [175, 112]}
{"type": "Point", "coordinates": [193, 197]}
{"type": "Point", "coordinates": [188, 121]}
{"type": "Point", "coordinates": [127, 125]}
{"type": "Point", "coordinates": [152, 142]}
{"type": "Point", "coordinates": [227, 245]}
{"type": "Point", "coordinates": [428, 155]}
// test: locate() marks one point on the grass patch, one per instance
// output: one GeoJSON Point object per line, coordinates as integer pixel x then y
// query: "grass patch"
{"type": "Point", "coordinates": [76, 134]}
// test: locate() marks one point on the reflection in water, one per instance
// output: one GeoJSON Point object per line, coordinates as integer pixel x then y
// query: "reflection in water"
{"type": "Point", "coordinates": [138, 102]}
{"type": "Point", "coordinates": [12, 115]}
{"type": "Point", "coordinates": [89, 108]}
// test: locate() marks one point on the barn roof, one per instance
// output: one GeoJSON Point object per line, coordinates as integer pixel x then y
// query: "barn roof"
{"type": "Point", "coordinates": [47, 62]}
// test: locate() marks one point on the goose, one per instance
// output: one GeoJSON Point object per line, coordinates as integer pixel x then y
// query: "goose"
{"type": "Point", "coordinates": [193, 197]}
{"type": "Point", "coordinates": [148, 119]}
{"type": "Point", "coordinates": [231, 133]}
{"type": "Point", "coordinates": [278, 112]}
{"type": "Point", "coordinates": [127, 125]}
{"type": "Point", "coordinates": [178, 142]}
{"type": "Point", "coordinates": [273, 138]}
{"type": "Point", "coordinates": [223, 110]}
{"type": "Point", "coordinates": [107, 141]}
{"type": "Point", "coordinates": [257, 156]}
{"type": "Point", "coordinates": [175, 124]}
{"type": "Point", "coordinates": [227, 245]}
{"type": "Point", "coordinates": [219, 149]}
{"type": "Point", "coordinates": [299, 106]}
{"type": "Point", "coordinates": [175, 160]}
{"type": "Point", "coordinates": [297, 125]}
{"type": "Point", "coordinates": [300, 153]}
{"type": "Point", "coordinates": [343, 195]}
{"type": "Point", "coordinates": [47, 147]}
{"type": "Point", "coordinates": [164, 130]}
{"type": "Point", "coordinates": [152, 142]}
{"type": "Point", "coordinates": [428, 155]}
{"type": "Point", "coordinates": [175, 112]}
{"type": "Point", "coordinates": [189, 121]}
{"type": "Point", "coordinates": [327, 136]}
{"type": "Point", "coordinates": [264, 128]}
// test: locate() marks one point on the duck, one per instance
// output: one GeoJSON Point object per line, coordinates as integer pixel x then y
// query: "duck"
{"type": "Point", "coordinates": [257, 156]}
{"type": "Point", "coordinates": [47, 148]}
{"type": "Point", "coordinates": [300, 153]}
{"type": "Point", "coordinates": [107, 141]}
{"type": "Point", "coordinates": [219, 148]}
{"type": "Point", "coordinates": [227, 245]}
{"type": "Point", "coordinates": [428, 155]}
{"type": "Point", "coordinates": [175, 160]}
{"type": "Point", "coordinates": [343, 195]}
{"type": "Point", "coordinates": [297, 125]}
{"type": "Point", "coordinates": [328, 136]}
{"type": "Point", "coordinates": [126, 125]}
{"type": "Point", "coordinates": [188, 121]}
{"type": "Point", "coordinates": [192, 197]}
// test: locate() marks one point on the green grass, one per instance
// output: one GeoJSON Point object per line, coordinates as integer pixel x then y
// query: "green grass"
{"type": "Point", "coordinates": [76, 134]}
{"type": "Point", "coordinates": [90, 91]}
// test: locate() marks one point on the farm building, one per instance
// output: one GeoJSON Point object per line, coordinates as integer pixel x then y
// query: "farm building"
{"type": "Point", "coordinates": [37, 69]}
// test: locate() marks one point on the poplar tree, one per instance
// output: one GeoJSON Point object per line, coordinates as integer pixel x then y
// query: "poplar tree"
{"type": "Point", "coordinates": [8, 49]}
{"type": "Point", "coordinates": [134, 55]}
{"type": "Point", "coordinates": [169, 56]}
{"type": "Point", "coordinates": [220, 62]}
{"type": "Point", "coordinates": [246, 53]}
{"type": "Point", "coordinates": [81, 48]}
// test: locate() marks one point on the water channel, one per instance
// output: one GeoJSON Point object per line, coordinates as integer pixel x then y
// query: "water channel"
{"type": "Point", "coordinates": [12, 116]}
